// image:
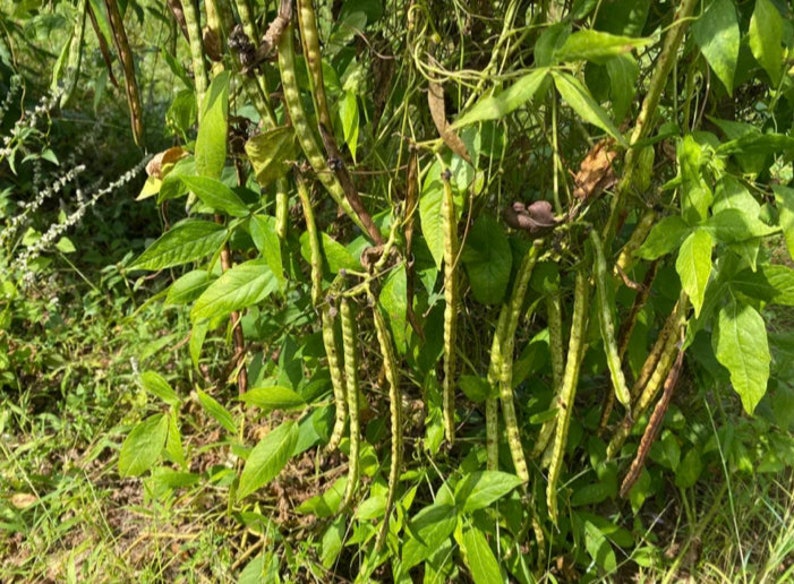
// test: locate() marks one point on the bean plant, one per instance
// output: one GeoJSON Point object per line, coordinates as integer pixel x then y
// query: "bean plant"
{"type": "Point", "coordinates": [460, 252]}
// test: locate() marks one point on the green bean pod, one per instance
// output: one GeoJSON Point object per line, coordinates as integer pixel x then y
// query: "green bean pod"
{"type": "Point", "coordinates": [310, 41]}
{"type": "Point", "coordinates": [576, 349]}
{"type": "Point", "coordinates": [491, 402]}
{"type": "Point", "coordinates": [337, 378]}
{"type": "Point", "coordinates": [638, 236]}
{"type": "Point", "coordinates": [513, 309]}
{"type": "Point", "coordinates": [554, 318]}
{"type": "Point", "coordinates": [315, 252]}
{"type": "Point", "coordinates": [193, 26]}
{"type": "Point", "coordinates": [304, 132]}
{"type": "Point", "coordinates": [127, 60]}
{"type": "Point", "coordinates": [395, 409]}
{"type": "Point", "coordinates": [451, 248]}
{"type": "Point", "coordinates": [650, 390]}
{"type": "Point", "coordinates": [351, 385]}
{"type": "Point", "coordinates": [607, 325]}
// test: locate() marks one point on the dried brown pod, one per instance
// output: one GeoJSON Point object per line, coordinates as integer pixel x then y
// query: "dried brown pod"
{"type": "Point", "coordinates": [596, 172]}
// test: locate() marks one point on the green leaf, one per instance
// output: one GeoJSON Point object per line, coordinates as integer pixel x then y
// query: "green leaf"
{"type": "Point", "coordinates": [696, 197]}
{"type": "Point", "coordinates": [429, 529]}
{"type": "Point", "coordinates": [596, 46]}
{"type": "Point", "coordinates": [268, 458]}
{"type": "Point", "coordinates": [266, 240]}
{"type": "Point", "coordinates": [185, 242]}
{"type": "Point", "coordinates": [332, 541]}
{"type": "Point", "coordinates": [687, 474]}
{"type": "Point", "coordinates": [393, 299]}
{"type": "Point", "coordinates": [173, 443]}
{"type": "Point", "coordinates": [348, 114]}
{"type": "Point", "coordinates": [272, 398]}
{"type": "Point", "coordinates": [217, 411]}
{"type": "Point", "coordinates": [754, 143]}
{"type": "Point", "coordinates": [478, 490]}
{"type": "Point", "coordinates": [772, 283]}
{"type": "Point", "coordinates": [599, 549]}
{"type": "Point", "coordinates": [211, 139]}
{"type": "Point", "coordinates": [784, 198]}
{"type": "Point", "coordinates": [623, 74]}
{"type": "Point", "coordinates": [664, 237]}
{"type": "Point", "coordinates": [625, 17]}
{"type": "Point", "coordinates": [65, 245]}
{"type": "Point", "coordinates": [766, 37]}
{"type": "Point", "coordinates": [550, 39]}
{"type": "Point", "coordinates": [197, 335]}
{"type": "Point", "coordinates": [479, 557]}
{"type": "Point", "coordinates": [337, 256]}
{"type": "Point", "coordinates": [694, 266]}
{"type": "Point", "coordinates": [182, 112]}
{"type": "Point", "coordinates": [475, 387]}
{"type": "Point", "coordinates": [733, 226]}
{"type": "Point", "coordinates": [143, 446]}
{"type": "Point", "coordinates": [216, 195]}
{"type": "Point", "coordinates": [732, 194]}
{"type": "Point", "coordinates": [578, 97]}
{"type": "Point", "coordinates": [155, 384]}
{"type": "Point", "coordinates": [717, 34]}
{"type": "Point", "coordinates": [741, 345]}
{"type": "Point", "coordinates": [187, 288]}
{"type": "Point", "coordinates": [327, 503]}
{"type": "Point", "coordinates": [270, 153]}
{"type": "Point", "coordinates": [494, 107]}
{"type": "Point", "coordinates": [244, 285]}
{"type": "Point", "coordinates": [430, 215]}
{"type": "Point", "coordinates": [488, 259]}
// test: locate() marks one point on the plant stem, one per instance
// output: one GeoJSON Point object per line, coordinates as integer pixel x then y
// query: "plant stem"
{"type": "Point", "coordinates": [648, 111]}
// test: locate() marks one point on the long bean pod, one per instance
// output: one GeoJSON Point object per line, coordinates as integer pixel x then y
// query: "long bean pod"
{"type": "Point", "coordinates": [196, 45]}
{"type": "Point", "coordinates": [310, 41]}
{"type": "Point", "coordinates": [556, 350]}
{"type": "Point", "coordinates": [607, 324]}
{"type": "Point", "coordinates": [315, 252]}
{"type": "Point", "coordinates": [395, 409]}
{"type": "Point", "coordinates": [492, 401]}
{"type": "Point", "coordinates": [350, 351]}
{"type": "Point", "coordinates": [624, 336]}
{"type": "Point", "coordinates": [451, 248]}
{"type": "Point", "coordinates": [337, 378]}
{"type": "Point", "coordinates": [654, 382]}
{"type": "Point", "coordinates": [576, 349]}
{"type": "Point", "coordinates": [654, 425]}
{"type": "Point", "coordinates": [513, 309]}
{"type": "Point", "coordinates": [304, 132]}
{"type": "Point", "coordinates": [127, 60]}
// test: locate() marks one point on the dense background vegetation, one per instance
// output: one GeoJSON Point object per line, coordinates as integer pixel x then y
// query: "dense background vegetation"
{"type": "Point", "coordinates": [396, 291]}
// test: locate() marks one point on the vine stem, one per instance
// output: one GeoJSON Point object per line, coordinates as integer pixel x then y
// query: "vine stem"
{"type": "Point", "coordinates": [648, 110]}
